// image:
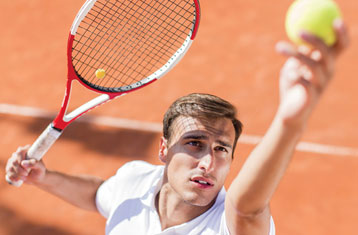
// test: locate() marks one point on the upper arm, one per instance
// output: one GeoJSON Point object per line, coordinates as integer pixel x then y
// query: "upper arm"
{"type": "Point", "coordinates": [252, 224]}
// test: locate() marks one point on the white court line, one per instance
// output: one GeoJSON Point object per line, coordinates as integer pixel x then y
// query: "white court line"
{"type": "Point", "coordinates": [99, 120]}
{"type": "Point", "coordinates": [157, 127]}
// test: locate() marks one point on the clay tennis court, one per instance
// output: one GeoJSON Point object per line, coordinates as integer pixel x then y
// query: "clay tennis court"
{"type": "Point", "coordinates": [232, 57]}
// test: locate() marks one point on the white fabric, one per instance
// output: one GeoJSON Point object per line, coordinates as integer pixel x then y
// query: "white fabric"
{"type": "Point", "coordinates": [127, 201]}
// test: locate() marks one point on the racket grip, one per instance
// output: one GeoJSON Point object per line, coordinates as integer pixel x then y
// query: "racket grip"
{"type": "Point", "coordinates": [39, 148]}
{"type": "Point", "coordinates": [43, 143]}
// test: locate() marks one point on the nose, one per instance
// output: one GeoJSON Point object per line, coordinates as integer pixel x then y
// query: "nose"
{"type": "Point", "coordinates": [206, 162]}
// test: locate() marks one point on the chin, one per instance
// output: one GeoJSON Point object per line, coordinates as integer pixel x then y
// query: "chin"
{"type": "Point", "coordinates": [195, 199]}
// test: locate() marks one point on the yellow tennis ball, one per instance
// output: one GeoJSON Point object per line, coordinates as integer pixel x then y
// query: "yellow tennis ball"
{"type": "Point", "coordinates": [314, 16]}
{"type": "Point", "coordinates": [100, 73]}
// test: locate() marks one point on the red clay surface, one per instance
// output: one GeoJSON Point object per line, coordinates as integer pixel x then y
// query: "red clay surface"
{"type": "Point", "coordinates": [233, 57]}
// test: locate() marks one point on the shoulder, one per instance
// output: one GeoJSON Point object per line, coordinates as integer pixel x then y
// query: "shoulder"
{"type": "Point", "coordinates": [133, 179]}
{"type": "Point", "coordinates": [136, 172]}
{"type": "Point", "coordinates": [137, 167]}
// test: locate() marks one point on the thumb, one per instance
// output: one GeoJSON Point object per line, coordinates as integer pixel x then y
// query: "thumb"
{"type": "Point", "coordinates": [29, 164]}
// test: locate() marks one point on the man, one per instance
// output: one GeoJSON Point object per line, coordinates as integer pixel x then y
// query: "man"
{"type": "Point", "coordinates": [186, 195]}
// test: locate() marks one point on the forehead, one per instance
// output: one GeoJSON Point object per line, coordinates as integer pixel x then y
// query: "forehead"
{"type": "Point", "coordinates": [218, 128]}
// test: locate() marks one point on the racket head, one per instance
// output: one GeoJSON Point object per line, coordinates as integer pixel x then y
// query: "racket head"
{"type": "Point", "coordinates": [134, 42]}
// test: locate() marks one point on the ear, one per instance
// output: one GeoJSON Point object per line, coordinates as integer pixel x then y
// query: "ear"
{"type": "Point", "coordinates": [163, 149]}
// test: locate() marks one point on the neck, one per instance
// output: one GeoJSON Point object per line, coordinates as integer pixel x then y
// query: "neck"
{"type": "Point", "coordinates": [173, 210]}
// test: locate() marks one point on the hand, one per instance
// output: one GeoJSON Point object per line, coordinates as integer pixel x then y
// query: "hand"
{"type": "Point", "coordinates": [29, 171]}
{"type": "Point", "coordinates": [306, 74]}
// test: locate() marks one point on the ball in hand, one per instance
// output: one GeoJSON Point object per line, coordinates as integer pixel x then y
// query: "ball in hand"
{"type": "Point", "coordinates": [313, 16]}
{"type": "Point", "coordinates": [100, 73]}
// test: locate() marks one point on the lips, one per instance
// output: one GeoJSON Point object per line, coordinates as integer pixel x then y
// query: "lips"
{"type": "Point", "coordinates": [202, 181]}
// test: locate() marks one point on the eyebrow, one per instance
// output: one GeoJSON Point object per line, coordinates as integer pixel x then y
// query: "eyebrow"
{"type": "Point", "coordinates": [196, 137]}
{"type": "Point", "coordinates": [224, 144]}
{"type": "Point", "coordinates": [204, 137]}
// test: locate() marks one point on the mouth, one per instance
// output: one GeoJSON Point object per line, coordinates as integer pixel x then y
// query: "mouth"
{"type": "Point", "coordinates": [202, 182]}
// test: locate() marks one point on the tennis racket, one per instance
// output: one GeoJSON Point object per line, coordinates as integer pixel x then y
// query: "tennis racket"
{"type": "Point", "coordinates": [118, 46]}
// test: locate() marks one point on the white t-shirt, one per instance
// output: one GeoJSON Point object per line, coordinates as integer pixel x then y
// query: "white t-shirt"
{"type": "Point", "coordinates": [127, 201]}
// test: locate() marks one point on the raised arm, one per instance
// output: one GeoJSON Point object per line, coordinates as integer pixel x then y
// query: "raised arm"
{"type": "Point", "coordinates": [303, 79]}
{"type": "Point", "coordinates": [80, 191]}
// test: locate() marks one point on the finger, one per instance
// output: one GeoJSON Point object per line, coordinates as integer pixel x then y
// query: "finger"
{"type": "Point", "coordinates": [24, 149]}
{"type": "Point", "coordinates": [15, 174]}
{"type": "Point", "coordinates": [10, 178]}
{"type": "Point", "coordinates": [14, 166]}
{"type": "Point", "coordinates": [342, 36]}
{"type": "Point", "coordinates": [29, 164]}
{"type": "Point", "coordinates": [17, 169]}
{"type": "Point", "coordinates": [301, 54]}
{"type": "Point", "coordinates": [16, 183]}
{"type": "Point", "coordinates": [285, 48]}
{"type": "Point", "coordinates": [303, 66]}
{"type": "Point", "coordinates": [289, 69]}
{"type": "Point", "coordinates": [16, 158]}
{"type": "Point", "coordinates": [21, 152]}
{"type": "Point", "coordinates": [316, 43]}
{"type": "Point", "coordinates": [12, 162]}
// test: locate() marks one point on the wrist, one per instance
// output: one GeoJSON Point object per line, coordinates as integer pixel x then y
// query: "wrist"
{"type": "Point", "coordinates": [292, 122]}
{"type": "Point", "coordinates": [290, 128]}
{"type": "Point", "coordinates": [43, 179]}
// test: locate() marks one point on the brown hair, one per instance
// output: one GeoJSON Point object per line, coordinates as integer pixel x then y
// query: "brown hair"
{"type": "Point", "coordinates": [202, 107]}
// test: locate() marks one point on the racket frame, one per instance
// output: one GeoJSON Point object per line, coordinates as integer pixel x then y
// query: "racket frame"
{"type": "Point", "coordinates": [62, 120]}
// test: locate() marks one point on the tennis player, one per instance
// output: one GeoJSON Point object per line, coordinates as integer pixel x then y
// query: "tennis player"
{"type": "Point", "coordinates": [185, 195]}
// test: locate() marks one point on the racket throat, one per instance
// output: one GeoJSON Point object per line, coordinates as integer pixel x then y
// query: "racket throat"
{"type": "Point", "coordinates": [86, 107]}
{"type": "Point", "coordinates": [63, 119]}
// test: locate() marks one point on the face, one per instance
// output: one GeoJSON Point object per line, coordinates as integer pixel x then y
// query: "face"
{"type": "Point", "coordinates": [198, 157]}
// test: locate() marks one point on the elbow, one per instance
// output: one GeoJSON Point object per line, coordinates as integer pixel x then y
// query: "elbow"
{"type": "Point", "coordinates": [252, 214]}
{"type": "Point", "coordinates": [248, 210]}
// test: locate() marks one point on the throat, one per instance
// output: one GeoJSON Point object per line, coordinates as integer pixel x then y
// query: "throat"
{"type": "Point", "coordinates": [173, 210]}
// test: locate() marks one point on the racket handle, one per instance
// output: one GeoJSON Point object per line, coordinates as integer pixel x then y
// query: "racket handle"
{"type": "Point", "coordinates": [39, 148]}
{"type": "Point", "coordinates": [43, 143]}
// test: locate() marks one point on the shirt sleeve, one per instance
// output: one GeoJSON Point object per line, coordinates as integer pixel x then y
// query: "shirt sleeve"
{"type": "Point", "coordinates": [124, 182]}
{"type": "Point", "coordinates": [104, 196]}
{"type": "Point", "coordinates": [107, 192]}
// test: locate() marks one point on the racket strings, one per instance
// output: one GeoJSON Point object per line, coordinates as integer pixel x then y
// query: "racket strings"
{"type": "Point", "coordinates": [129, 65]}
{"type": "Point", "coordinates": [136, 57]}
{"type": "Point", "coordinates": [102, 45]}
{"type": "Point", "coordinates": [129, 19]}
{"type": "Point", "coordinates": [92, 42]}
{"type": "Point", "coordinates": [144, 66]}
{"type": "Point", "coordinates": [157, 56]}
{"type": "Point", "coordinates": [130, 39]}
{"type": "Point", "coordinates": [152, 43]}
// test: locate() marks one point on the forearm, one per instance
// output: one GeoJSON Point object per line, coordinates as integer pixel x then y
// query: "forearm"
{"type": "Point", "coordinates": [80, 191]}
{"type": "Point", "coordinates": [252, 190]}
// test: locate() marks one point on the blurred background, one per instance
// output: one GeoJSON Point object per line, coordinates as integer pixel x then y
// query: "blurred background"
{"type": "Point", "coordinates": [233, 57]}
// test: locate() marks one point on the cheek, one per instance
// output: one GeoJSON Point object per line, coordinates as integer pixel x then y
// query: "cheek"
{"type": "Point", "coordinates": [178, 166]}
{"type": "Point", "coordinates": [223, 169]}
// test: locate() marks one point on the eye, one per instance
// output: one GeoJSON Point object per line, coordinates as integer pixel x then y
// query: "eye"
{"type": "Point", "coordinates": [221, 149]}
{"type": "Point", "coordinates": [195, 143]}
